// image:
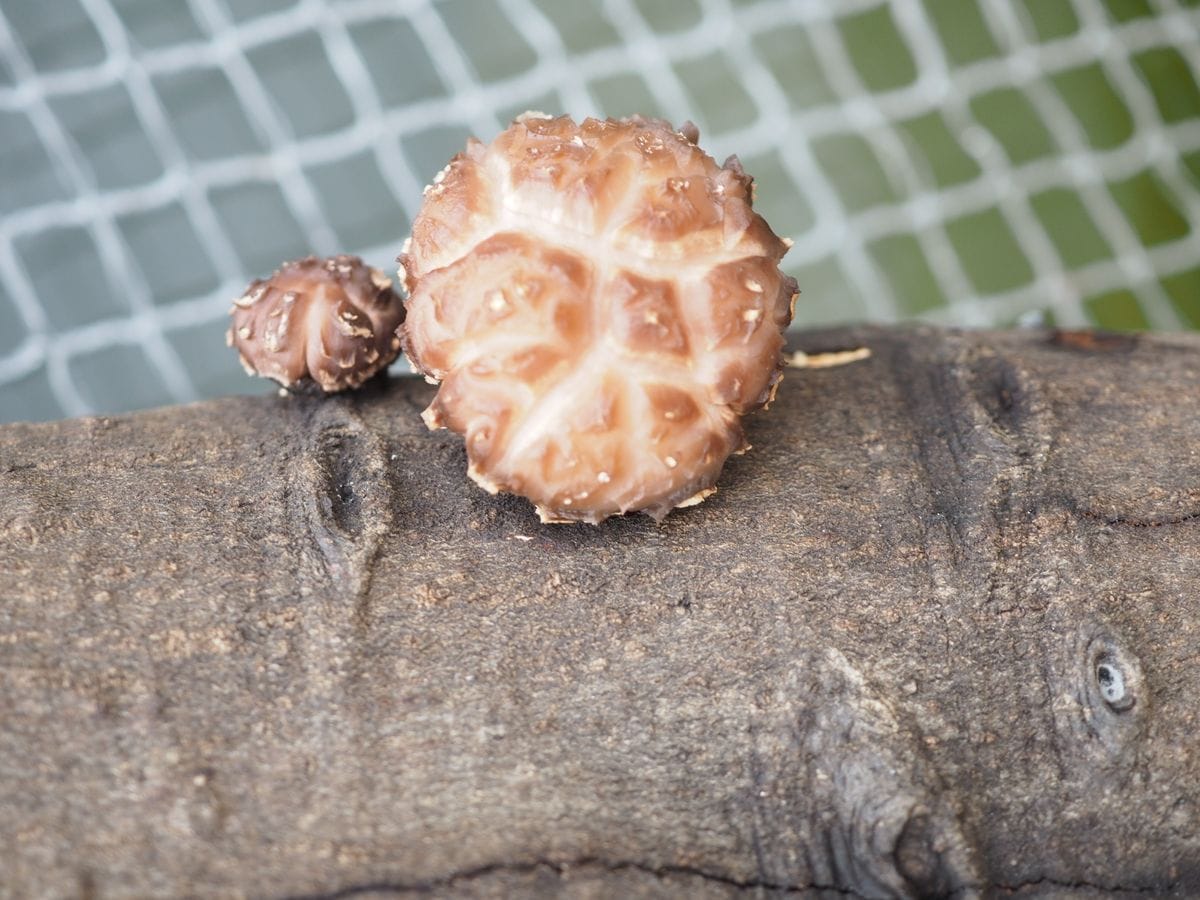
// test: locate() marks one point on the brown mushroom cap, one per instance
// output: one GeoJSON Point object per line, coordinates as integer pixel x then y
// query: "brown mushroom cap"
{"type": "Point", "coordinates": [331, 322]}
{"type": "Point", "coordinates": [601, 305]}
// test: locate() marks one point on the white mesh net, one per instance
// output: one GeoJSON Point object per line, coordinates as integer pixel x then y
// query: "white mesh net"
{"type": "Point", "coordinates": [960, 162]}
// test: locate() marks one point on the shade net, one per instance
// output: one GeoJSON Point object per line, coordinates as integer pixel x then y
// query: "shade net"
{"type": "Point", "coordinates": [965, 162]}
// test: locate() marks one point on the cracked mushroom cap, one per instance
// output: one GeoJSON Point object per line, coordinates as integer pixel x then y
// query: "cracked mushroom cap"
{"type": "Point", "coordinates": [600, 305]}
{"type": "Point", "coordinates": [331, 322]}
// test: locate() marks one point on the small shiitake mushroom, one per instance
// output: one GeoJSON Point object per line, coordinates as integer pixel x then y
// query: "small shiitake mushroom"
{"type": "Point", "coordinates": [330, 322]}
{"type": "Point", "coordinates": [601, 305]}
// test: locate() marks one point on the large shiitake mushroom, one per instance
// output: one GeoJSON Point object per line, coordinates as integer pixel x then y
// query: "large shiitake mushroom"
{"type": "Point", "coordinates": [600, 305]}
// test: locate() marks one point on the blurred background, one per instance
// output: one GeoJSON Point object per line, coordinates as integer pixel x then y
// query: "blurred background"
{"type": "Point", "coordinates": [966, 162]}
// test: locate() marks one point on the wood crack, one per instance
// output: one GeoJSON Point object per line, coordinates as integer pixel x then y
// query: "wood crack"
{"type": "Point", "coordinates": [1046, 880]}
{"type": "Point", "coordinates": [1132, 522]}
{"type": "Point", "coordinates": [563, 868]}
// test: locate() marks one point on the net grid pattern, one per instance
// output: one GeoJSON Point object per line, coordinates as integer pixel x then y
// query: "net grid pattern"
{"type": "Point", "coordinates": [472, 103]}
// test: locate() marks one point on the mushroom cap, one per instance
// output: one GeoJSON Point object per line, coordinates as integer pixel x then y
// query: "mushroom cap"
{"type": "Point", "coordinates": [600, 305]}
{"type": "Point", "coordinates": [331, 322]}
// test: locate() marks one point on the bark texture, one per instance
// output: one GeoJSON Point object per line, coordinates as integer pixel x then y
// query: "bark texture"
{"type": "Point", "coordinates": [938, 634]}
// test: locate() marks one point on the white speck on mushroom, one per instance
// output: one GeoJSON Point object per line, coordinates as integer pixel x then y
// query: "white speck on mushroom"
{"type": "Point", "coordinates": [347, 326]}
{"type": "Point", "coordinates": [249, 299]}
{"type": "Point", "coordinates": [752, 285]}
{"type": "Point", "coordinates": [752, 315]}
{"type": "Point", "coordinates": [497, 302]}
{"type": "Point", "coordinates": [603, 477]}
{"type": "Point", "coordinates": [245, 332]}
{"type": "Point", "coordinates": [671, 462]}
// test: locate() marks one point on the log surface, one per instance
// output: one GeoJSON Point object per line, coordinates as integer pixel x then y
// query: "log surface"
{"type": "Point", "coordinates": [938, 634]}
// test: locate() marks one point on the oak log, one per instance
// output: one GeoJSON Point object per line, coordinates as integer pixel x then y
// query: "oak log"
{"type": "Point", "coordinates": [938, 634]}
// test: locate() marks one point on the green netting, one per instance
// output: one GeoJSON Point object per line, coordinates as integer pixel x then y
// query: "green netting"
{"type": "Point", "coordinates": [974, 162]}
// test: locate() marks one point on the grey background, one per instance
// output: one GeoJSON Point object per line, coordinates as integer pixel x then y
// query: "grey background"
{"type": "Point", "coordinates": [974, 162]}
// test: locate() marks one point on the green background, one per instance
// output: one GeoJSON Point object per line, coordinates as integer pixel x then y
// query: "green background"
{"type": "Point", "coordinates": [985, 163]}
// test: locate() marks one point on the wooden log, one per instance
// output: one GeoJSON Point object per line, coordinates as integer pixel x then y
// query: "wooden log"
{"type": "Point", "coordinates": [938, 634]}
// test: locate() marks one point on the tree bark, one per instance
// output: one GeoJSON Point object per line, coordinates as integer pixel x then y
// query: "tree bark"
{"type": "Point", "coordinates": [938, 634]}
